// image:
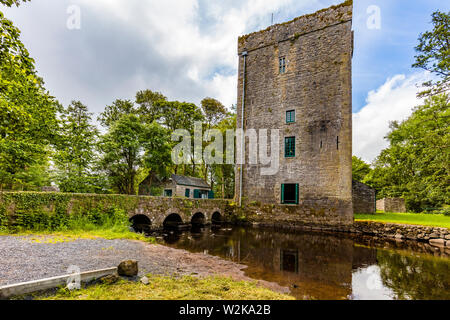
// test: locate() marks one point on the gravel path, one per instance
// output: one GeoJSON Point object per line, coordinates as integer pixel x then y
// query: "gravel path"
{"type": "Point", "coordinates": [33, 258]}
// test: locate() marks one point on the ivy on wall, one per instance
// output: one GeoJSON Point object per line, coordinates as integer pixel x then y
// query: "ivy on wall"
{"type": "Point", "coordinates": [21, 211]}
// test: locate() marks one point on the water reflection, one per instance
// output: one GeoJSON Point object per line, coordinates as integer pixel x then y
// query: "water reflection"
{"type": "Point", "coordinates": [317, 266]}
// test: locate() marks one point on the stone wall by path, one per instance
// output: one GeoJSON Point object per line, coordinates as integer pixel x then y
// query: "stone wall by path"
{"type": "Point", "coordinates": [15, 207]}
{"type": "Point", "coordinates": [435, 236]}
{"type": "Point", "coordinates": [364, 198]}
{"type": "Point", "coordinates": [438, 237]}
{"type": "Point", "coordinates": [396, 205]}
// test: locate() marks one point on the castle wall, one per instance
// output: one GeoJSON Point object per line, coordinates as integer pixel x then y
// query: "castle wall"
{"type": "Point", "coordinates": [364, 198]}
{"type": "Point", "coordinates": [396, 205]}
{"type": "Point", "coordinates": [318, 50]}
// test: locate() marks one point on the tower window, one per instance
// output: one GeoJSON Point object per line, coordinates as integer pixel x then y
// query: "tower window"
{"type": "Point", "coordinates": [290, 116]}
{"type": "Point", "coordinates": [282, 65]}
{"type": "Point", "coordinates": [289, 147]}
{"type": "Point", "coordinates": [289, 193]}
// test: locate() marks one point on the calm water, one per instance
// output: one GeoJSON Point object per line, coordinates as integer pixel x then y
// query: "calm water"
{"type": "Point", "coordinates": [318, 266]}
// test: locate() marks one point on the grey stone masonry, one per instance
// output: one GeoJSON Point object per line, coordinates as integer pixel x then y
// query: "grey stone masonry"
{"type": "Point", "coordinates": [364, 198]}
{"type": "Point", "coordinates": [396, 205]}
{"type": "Point", "coordinates": [304, 66]}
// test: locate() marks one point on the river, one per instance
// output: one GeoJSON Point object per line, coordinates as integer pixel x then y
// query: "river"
{"type": "Point", "coordinates": [327, 266]}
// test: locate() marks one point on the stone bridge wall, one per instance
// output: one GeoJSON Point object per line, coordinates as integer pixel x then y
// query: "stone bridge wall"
{"type": "Point", "coordinates": [157, 209]}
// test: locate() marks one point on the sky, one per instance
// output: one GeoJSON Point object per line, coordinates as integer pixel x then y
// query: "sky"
{"type": "Point", "coordinates": [97, 51]}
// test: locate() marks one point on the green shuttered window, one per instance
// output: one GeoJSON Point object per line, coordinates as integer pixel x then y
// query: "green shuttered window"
{"type": "Point", "coordinates": [290, 116]}
{"type": "Point", "coordinates": [289, 147]}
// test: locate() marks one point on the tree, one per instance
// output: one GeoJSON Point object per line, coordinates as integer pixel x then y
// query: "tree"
{"type": "Point", "coordinates": [75, 154]}
{"type": "Point", "coordinates": [28, 121]}
{"type": "Point", "coordinates": [115, 111]}
{"type": "Point", "coordinates": [148, 108]}
{"type": "Point", "coordinates": [416, 165]}
{"type": "Point", "coordinates": [213, 110]}
{"type": "Point", "coordinates": [223, 174]}
{"type": "Point", "coordinates": [181, 115]}
{"type": "Point", "coordinates": [434, 54]}
{"type": "Point", "coordinates": [360, 169]}
{"type": "Point", "coordinates": [10, 3]}
{"type": "Point", "coordinates": [122, 149]}
{"type": "Point", "coordinates": [157, 157]}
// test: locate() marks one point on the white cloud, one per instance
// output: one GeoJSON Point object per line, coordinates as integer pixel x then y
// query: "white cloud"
{"type": "Point", "coordinates": [394, 100]}
{"type": "Point", "coordinates": [175, 30]}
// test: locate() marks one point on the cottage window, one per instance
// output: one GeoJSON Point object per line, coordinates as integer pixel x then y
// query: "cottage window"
{"type": "Point", "coordinates": [188, 193]}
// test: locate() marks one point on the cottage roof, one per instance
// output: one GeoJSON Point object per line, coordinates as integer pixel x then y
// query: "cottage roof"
{"type": "Point", "coordinates": [190, 181]}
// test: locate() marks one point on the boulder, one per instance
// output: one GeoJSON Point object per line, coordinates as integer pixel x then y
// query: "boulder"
{"type": "Point", "coordinates": [128, 268]}
{"type": "Point", "coordinates": [111, 279]}
{"type": "Point", "coordinates": [145, 280]}
{"type": "Point", "coordinates": [437, 242]}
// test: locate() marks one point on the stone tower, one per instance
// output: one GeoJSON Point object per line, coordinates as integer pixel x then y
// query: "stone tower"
{"type": "Point", "coordinates": [296, 77]}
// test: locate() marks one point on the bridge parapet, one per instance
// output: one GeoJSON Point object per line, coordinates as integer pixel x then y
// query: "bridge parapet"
{"type": "Point", "coordinates": [156, 209]}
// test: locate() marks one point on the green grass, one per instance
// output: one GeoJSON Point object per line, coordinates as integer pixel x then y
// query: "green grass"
{"type": "Point", "coordinates": [431, 220]}
{"type": "Point", "coordinates": [53, 228]}
{"type": "Point", "coordinates": [171, 288]}
{"type": "Point", "coordinates": [71, 235]}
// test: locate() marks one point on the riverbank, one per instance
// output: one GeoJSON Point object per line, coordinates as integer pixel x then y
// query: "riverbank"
{"type": "Point", "coordinates": [435, 236]}
{"type": "Point", "coordinates": [32, 257]}
{"type": "Point", "coordinates": [428, 220]}
{"type": "Point", "coordinates": [171, 288]}
{"type": "Point", "coordinates": [72, 235]}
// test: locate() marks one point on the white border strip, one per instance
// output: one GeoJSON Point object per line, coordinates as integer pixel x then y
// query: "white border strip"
{"type": "Point", "coordinates": [49, 283]}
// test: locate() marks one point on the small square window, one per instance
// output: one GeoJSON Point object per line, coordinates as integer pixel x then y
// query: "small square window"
{"type": "Point", "coordinates": [290, 116]}
{"type": "Point", "coordinates": [282, 64]}
{"type": "Point", "coordinates": [289, 147]}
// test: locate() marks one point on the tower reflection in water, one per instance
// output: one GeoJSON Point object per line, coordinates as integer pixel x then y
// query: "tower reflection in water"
{"type": "Point", "coordinates": [318, 266]}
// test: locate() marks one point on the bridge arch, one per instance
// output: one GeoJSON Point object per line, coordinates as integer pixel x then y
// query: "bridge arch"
{"type": "Point", "coordinates": [216, 218]}
{"type": "Point", "coordinates": [198, 219]}
{"type": "Point", "coordinates": [173, 220]}
{"type": "Point", "coordinates": [140, 223]}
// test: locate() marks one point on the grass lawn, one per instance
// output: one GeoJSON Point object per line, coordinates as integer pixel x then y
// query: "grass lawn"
{"type": "Point", "coordinates": [432, 220]}
{"type": "Point", "coordinates": [170, 288]}
{"type": "Point", "coordinates": [71, 235]}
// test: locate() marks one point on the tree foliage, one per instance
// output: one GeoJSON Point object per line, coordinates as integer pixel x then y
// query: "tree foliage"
{"type": "Point", "coordinates": [129, 146]}
{"type": "Point", "coordinates": [10, 3]}
{"type": "Point", "coordinates": [115, 111]}
{"type": "Point", "coordinates": [433, 54]}
{"type": "Point", "coordinates": [213, 110]}
{"type": "Point", "coordinates": [416, 165]}
{"type": "Point", "coordinates": [75, 152]}
{"type": "Point", "coordinates": [148, 107]}
{"type": "Point", "coordinates": [28, 121]}
{"type": "Point", "coordinates": [360, 169]}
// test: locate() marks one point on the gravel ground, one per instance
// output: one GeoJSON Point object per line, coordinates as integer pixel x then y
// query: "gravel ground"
{"type": "Point", "coordinates": [33, 258]}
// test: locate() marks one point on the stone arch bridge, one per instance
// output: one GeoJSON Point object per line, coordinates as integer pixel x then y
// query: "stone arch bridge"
{"type": "Point", "coordinates": [156, 213]}
{"type": "Point", "coordinates": [153, 213]}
